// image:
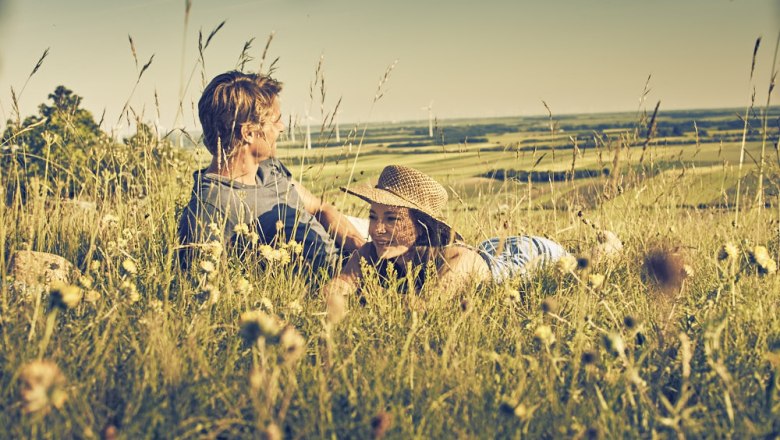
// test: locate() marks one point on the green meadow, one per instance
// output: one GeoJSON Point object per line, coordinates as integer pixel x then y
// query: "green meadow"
{"type": "Point", "coordinates": [130, 346]}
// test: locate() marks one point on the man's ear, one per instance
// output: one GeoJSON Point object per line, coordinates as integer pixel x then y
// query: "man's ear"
{"type": "Point", "coordinates": [247, 133]}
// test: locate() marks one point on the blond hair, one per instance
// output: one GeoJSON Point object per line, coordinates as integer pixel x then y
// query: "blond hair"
{"type": "Point", "coordinates": [230, 101]}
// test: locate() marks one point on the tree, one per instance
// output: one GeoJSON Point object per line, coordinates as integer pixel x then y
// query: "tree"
{"type": "Point", "coordinates": [61, 133]}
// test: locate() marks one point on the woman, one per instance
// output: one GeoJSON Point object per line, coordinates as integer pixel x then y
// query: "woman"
{"type": "Point", "coordinates": [409, 236]}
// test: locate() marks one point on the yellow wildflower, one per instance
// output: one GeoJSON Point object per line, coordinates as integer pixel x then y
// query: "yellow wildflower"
{"type": "Point", "coordinates": [728, 252]}
{"type": "Point", "coordinates": [129, 266]}
{"type": "Point", "coordinates": [65, 296]}
{"type": "Point", "coordinates": [595, 280]}
{"type": "Point", "coordinates": [566, 264]}
{"type": "Point", "coordinates": [544, 334]}
{"type": "Point", "coordinates": [241, 229]}
{"type": "Point", "coordinates": [207, 266]}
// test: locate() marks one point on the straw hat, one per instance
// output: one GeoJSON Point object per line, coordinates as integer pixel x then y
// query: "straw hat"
{"type": "Point", "coordinates": [407, 188]}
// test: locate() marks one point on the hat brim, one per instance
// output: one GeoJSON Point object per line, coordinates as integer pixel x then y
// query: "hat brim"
{"type": "Point", "coordinates": [373, 194]}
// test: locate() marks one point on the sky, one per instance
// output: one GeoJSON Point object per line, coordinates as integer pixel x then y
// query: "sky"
{"type": "Point", "coordinates": [468, 58]}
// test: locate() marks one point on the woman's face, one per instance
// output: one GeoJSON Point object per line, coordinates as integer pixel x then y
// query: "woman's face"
{"type": "Point", "coordinates": [392, 230]}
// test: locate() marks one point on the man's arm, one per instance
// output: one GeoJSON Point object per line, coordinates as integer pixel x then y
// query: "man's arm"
{"type": "Point", "coordinates": [336, 223]}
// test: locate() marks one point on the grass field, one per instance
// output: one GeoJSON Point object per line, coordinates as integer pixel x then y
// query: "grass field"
{"type": "Point", "coordinates": [132, 347]}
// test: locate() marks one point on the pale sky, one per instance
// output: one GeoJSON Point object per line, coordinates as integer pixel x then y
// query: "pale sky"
{"type": "Point", "coordinates": [471, 58]}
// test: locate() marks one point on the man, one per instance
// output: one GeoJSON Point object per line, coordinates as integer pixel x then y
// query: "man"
{"type": "Point", "coordinates": [246, 195]}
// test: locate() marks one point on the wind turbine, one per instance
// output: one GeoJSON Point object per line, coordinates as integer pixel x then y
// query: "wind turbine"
{"type": "Point", "coordinates": [291, 127]}
{"type": "Point", "coordinates": [308, 129]}
{"type": "Point", "coordinates": [338, 131]}
{"type": "Point", "coordinates": [430, 118]}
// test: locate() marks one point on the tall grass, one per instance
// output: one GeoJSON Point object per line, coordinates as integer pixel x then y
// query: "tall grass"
{"type": "Point", "coordinates": [607, 350]}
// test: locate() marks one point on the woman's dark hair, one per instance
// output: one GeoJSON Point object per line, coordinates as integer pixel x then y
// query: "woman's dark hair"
{"type": "Point", "coordinates": [430, 232]}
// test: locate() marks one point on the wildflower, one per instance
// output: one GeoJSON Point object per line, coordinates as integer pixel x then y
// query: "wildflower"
{"type": "Point", "coordinates": [272, 432]}
{"type": "Point", "coordinates": [213, 228]}
{"type": "Point", "coordinates": [512, 296]}
{"type": "Point", "coordinates": [614, 343]}
{"type": "Point", "coordinates": [507, 408]}
{"type": "Point", "coordinates": [94, 265]}
{"type": "Point", "coordinates": [212, 292]}
{"type": "Point", "coordinates": [92, 296]}
{"type": "Point", "coordinates": [110, 432]}
{"type": "Point", "coordinates": [283, 256]}
{"type": "Point", "coordinates": [256, 379]}
{"type": "Point", "coordinates": [664, 266]}
{"type": "Point", "coordinates": [156, 305]}
{"type": "Point", "coordinates": [566, 264]}
{"type": "Point", "coordinates": [728, 252]}
{"type": "Point", "coordinates": [337, 308]}
{"type": "Point", "coordinates": [109, 220]}
{"type": "Point", "coordinates": [266, 304]}
{"type": "Point", "coordinates": [242, 286]}
{"type": "Point", "coordinates": [293, 345]}
{"type": "Point", "coordinates": [380, 424]}
{"type": "Point", "coordinates": [212, 249]}
{"type": "Point", "coordinates": [595, 280]}
{"type": "Point", "coordinates": [130, 291]}
{"type": "Point", "coordinates": [294, 247]}
{"type": "Point", "coordinates": [256, 324]}
{"type": "Point", "coordinates": [295, 307]}
{"type": "Point", "coordinates": [544, 334]}
{"type": "Point", "coordinates": [589, 357]}
{"type": "Point", "coordinates": [761, 258]}
{"type": "Point", "coordinates": [254, 238]}
{"type": "Point", "coordinates": [42, 387]}
{"type": "Point", "coordinates": [241, 229]}
{"type": "Point", "coordinates": [65, 296]}
{"type": "Point", "coordinates": [129, 267]}
{"type": "Point", "coordinates": [279, 226]}
{"type": "Point", "coordinates": [521, 411]}
{"type": "Point", "coordinates": [549, 305]}
{"type": "Point", "coordinates": [687, 271]}
{"type": "Point", "coordinates": [85, 281]}
{"type": "Point", "coordinates": [267, 252]}
{"type": "Point", "coordinates": [207, 266]}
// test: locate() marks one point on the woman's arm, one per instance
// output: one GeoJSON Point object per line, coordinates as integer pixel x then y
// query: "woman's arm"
{"type": "Point", "coordinates": [462, 267]}
{"type": "Point", "coordinates": [347, 281]}
{"type": "Point", "coordinates": [338, 226]}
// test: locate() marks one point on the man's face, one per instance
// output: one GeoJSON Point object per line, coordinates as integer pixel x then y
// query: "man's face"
{"type": "Point", "coordinates": [263, 144]}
